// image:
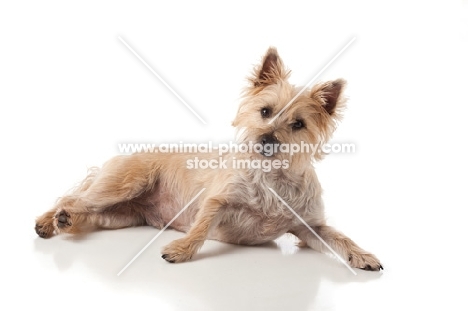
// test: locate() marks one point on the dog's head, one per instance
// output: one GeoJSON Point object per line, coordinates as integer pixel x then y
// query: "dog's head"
{"type": "Point", "coordinates": [278, 115]}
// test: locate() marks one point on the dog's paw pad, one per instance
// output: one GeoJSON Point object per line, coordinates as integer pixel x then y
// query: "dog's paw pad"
{"type": "Point", "coordinates": [63, 219]}
{"type": "Point", "coordinates": [366, 262]}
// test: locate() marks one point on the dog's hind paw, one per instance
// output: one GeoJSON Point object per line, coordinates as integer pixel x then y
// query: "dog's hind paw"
{"type": "Point", "coordinates": [44, 230]}
{"type": "Point", "coordinates": [62, 219]}
{"type": "Point", "coordinates": [45, 225]}
{"type": "Point", "coordinates": [365, 261]}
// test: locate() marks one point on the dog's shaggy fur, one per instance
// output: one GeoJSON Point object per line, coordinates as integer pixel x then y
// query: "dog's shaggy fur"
{"type": "Point", "coordinates": [237, 205]}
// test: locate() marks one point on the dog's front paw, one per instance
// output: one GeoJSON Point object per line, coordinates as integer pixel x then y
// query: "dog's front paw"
{"type": "Point", "coordinates": [365, 261]}
{"type": "Point", "coordinates": [177, 251]}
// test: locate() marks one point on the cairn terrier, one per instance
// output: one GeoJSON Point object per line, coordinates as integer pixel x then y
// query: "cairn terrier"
{"type": "Point", "coordinates": [239, 205]}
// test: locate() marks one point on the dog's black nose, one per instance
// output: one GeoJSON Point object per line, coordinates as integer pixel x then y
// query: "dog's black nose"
{"type": "Point", "coordinates": [268, 139]}
{"type": "Point", "coordinates": [269, 144]}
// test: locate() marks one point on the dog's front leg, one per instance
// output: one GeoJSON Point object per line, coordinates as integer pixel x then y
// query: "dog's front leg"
{"type": "Point", "coordinates": [340, 243]}
{"type": "Point", "coordinates": [207, 217]}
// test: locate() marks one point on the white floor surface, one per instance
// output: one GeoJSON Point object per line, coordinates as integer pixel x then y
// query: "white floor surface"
{"type": "Point", "coordinates": [70, 91]}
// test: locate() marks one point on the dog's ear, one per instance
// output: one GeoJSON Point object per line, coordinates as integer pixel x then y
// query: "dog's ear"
{"type": "Point", "coordinates": [330, 95]}
{"type": "Point", "coordinates": [270, 70]}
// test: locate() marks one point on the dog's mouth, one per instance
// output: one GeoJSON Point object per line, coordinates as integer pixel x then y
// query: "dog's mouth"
{"type": "Point", "coordinates": [266, 154]}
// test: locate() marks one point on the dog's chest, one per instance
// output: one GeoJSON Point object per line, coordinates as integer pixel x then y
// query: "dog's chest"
{"type": "Point", "coordinates": [275, 196]}
{"type": "Point", "coordinates": [243, 225]}
{"type": "Point", "coordinates": [261, 214]}
{"type": "Point", "coordinates": [257, 220]}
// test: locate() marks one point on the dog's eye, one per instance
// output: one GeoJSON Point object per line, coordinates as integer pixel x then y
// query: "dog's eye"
{"type": "Point", "coordinates": [298, 125]}
{"type": "Point", "coordinates": [265, 112]}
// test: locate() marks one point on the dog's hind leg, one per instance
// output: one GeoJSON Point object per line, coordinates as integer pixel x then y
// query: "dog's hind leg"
{"type": "Point", "coordinates": [105, 199]}
{"type": "Point", "coordinates": [46, 223]}
{"type": "Point", "coordinates": [112, 217]}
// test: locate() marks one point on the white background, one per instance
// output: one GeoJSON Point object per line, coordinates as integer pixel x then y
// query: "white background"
{"type": "Point", "coordinates": [70, 91]}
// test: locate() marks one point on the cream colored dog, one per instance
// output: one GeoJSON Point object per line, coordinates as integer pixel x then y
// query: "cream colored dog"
{"type": "Point", "coordinates": [237, 205]}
